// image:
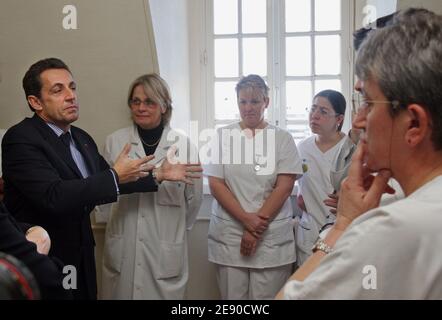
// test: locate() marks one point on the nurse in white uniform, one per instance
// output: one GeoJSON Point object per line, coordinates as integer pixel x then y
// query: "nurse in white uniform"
{"type": "Point", "coordinates": [250, 235]}
{"type": "Point", "coordinates": [320, 155]}
{"type": "Point", "coordinates": [145, 254]}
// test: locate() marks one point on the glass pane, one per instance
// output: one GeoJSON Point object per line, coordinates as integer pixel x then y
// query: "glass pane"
{"type": "Point", "coordinates": [225, 16]}
{"type": "Point", "coordinates": [298, 56]}
{"type": "Point", "coordinates": [254, 16]}
{"type": "Point", "coordinates": [328, 55]}
{"type": "Point", "coordinates": [299, 97]}
{"type": "Point", "coordinates": [226, 106]}
{"type": "Point", "coordinates": [299, 131]}
{"type": "Point", "coordinates": [327, 15]}
{"type": "Point", "coordinates": [333, 84]}
{"type": "Point", "coordinates": [255, 56]}
{"type": "Point", "coordinates": [298, 15]}
{"type": "Point", "coordinates": [226, 58]}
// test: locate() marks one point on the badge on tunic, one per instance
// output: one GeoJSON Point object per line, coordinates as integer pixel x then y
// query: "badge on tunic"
{"type": "Point", "coordinates": [304, 165]}
{"type": "Point", "coordinates": [259, 161]}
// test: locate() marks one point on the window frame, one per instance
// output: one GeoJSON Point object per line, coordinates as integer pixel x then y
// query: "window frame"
{"type": "Point", "coordinates": [275, 61]}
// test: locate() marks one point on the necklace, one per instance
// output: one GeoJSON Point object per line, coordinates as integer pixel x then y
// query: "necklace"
{"type": "Point", "coordinates": [150, 145]}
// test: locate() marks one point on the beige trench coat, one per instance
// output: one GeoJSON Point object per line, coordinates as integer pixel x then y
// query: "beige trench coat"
{"type": "Point", "coordinates": [145, 251]}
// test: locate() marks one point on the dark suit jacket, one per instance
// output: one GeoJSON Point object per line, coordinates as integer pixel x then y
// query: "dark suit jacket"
{"type": "Point", "coordinates": [43, 186]}
{"type": "Point", "coordinates": [47, 272]}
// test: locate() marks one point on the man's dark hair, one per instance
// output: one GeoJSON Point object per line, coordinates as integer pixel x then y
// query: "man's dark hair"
{"type": "Point", "coordinates": [360, 34]}
{"type": "Point", "coordinates": [32, 81]}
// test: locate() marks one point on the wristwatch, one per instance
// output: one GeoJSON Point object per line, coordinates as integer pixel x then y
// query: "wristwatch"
{"type": "Point", "coordinates": [322, 246]}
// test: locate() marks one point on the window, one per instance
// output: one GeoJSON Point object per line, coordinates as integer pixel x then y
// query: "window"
{"type": "Point", "coordinates": [299, 46]}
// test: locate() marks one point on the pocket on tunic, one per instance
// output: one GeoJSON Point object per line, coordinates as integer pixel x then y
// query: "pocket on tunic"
{"type": "Point", "coordinates": [306, 234]}
{"type": "Point", "coordinates": [224, 232]}
{"type": "Point", "coordinates": [171, 260]}
{"type": "Point", "coordinates": [282, 233]}
{"type": "Point", "coordinates": [113, 253]}
{"type": "Point", "coordinates": [170, 193]}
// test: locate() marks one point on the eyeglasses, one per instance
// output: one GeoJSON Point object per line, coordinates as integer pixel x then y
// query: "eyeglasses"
{"type": "Point", "coordinates": [323, 112]}
{"type": "Point", "coordinates": [137, 102]}
{"type": "Point", "coordinates": [359, 102]}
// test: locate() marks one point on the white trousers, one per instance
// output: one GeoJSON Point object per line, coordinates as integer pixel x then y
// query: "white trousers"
{"type": "Point", "coordinates": [251, 284]}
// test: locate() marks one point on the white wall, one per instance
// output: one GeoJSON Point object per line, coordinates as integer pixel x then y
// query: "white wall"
{"type": "Point", "coordinates": [175, 49]}
{"type": "Point", "coordinates": [383, 7]}
{"type": "Point", "coordinates": [112, 45]}
{"type": "Point", "coordinates": [170, 24]}
{"type": "Point", "coordinates": [362, 12]}
{"type": "Point", "coordinates": [197, 43]}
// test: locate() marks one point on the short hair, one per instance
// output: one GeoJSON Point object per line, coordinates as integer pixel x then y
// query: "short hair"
{"type": "Point", "coordinates": [157, 89]}
{"type": "Point", "coordinates": [405, 59]}
{"type": "Point", "coordinates": [32, 81]}
{"type": "Point", "coordinates": [252, 81]}
{"type": "Point", "coordinates": [337, 101]}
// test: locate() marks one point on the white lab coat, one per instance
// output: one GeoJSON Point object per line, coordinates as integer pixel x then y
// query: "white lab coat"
{"type": "Point", "coordinates": [390, 252]}
{"type": "Point", "coordinates": [145, 251]}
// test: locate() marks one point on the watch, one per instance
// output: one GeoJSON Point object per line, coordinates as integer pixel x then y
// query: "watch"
{"type": "Point", "coordinates": [322, 246]}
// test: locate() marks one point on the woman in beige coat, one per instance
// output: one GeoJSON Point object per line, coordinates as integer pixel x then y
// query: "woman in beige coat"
{"type": "Point", "coordinates": [145, 251]}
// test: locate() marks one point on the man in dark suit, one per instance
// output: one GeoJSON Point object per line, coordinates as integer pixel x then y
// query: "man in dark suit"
{"type": "Point", "coordinates": [54, 174]}
{"type": "Point", "coordinates": [46, 271]}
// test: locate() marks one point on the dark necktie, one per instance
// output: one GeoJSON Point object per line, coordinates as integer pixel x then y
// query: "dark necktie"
{"type": "Point", "coordinates": [66, 139]}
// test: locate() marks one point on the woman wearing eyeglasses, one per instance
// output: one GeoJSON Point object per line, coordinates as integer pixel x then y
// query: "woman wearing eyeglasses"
{"type": "Point", "coordinates": [145, 251]}
{"type": "Point", "coordinates": [321, 154]}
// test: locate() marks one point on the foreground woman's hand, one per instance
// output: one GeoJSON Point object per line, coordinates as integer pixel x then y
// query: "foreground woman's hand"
{"type": "Point", "coordinates": [41, 238]}
{"type": "Point", "coordinates": [360, 191]}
